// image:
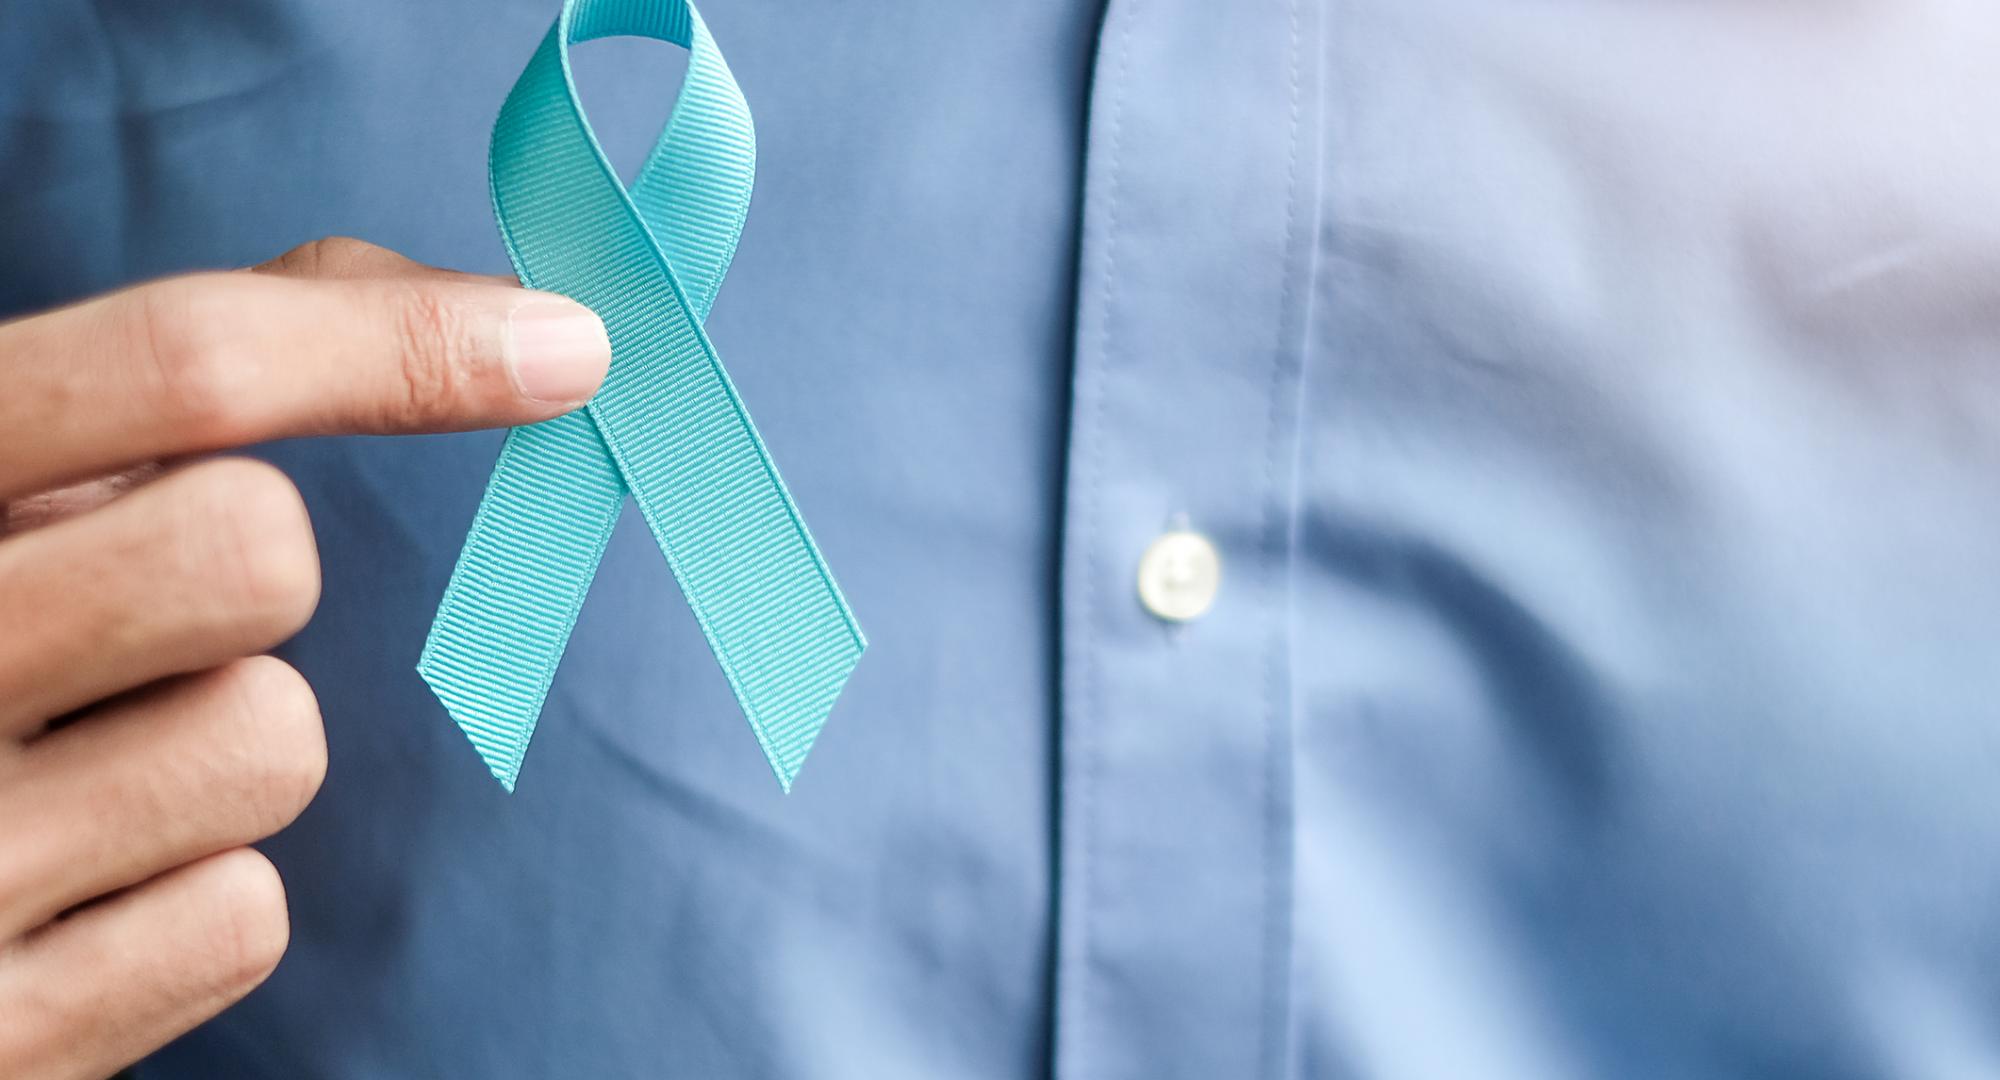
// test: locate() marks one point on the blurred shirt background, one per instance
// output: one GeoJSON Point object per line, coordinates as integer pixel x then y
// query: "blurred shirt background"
{"type": "Point", "coordinates": [1594, 408]}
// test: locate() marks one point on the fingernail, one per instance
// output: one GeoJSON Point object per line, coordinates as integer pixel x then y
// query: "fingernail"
{"type": "Point", "coordinates": [557, 350]}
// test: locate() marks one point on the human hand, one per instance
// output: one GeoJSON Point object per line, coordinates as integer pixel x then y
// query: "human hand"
{"type": "Point", "coordinates": [143, 739]}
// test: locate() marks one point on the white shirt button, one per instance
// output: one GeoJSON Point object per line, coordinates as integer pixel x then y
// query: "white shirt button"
{"type": "Point", "coordinates": [1179, 576]}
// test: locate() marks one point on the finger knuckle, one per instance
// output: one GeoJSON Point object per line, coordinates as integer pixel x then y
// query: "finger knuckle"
{"type": "Point", "coordinates": [268, 572]}
{"type": "Point", "coordinates": [277, 726]}
{"type": "Point", "coordinates": [434, 341]}
{"type": "Point", "coordinates": [329, 256]}
{"type": "Point", "coordinates": [251, 924]}
{"type": "Point", "coordinates": [18, 861]}
{"type": "Point", "coordinates": [197, 372]}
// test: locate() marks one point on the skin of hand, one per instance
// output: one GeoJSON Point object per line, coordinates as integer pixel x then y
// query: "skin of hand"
{"type": "Point", "coordinates": [144, 738]}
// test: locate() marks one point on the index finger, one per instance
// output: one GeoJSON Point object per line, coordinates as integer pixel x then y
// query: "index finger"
{"type": "Point", "coordinates": [210, 361]}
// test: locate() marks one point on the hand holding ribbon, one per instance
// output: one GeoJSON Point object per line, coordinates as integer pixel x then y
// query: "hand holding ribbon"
{"type": "Point", "coordinates": [667, 426]}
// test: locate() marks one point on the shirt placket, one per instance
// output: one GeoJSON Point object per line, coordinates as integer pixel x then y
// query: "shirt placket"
{"type": "Point", "coordinates": [1174, 870]}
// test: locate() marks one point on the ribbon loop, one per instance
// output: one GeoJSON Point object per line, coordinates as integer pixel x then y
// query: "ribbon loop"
{"type": "Point", "coordinates": [667, 427]}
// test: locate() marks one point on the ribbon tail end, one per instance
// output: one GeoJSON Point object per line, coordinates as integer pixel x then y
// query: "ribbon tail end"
{"type": "Point", "coordinates": [503, 772]}
{"type": "Point", "coordinates": [788, 740]}
{"type": "Point", "coordinates": [501, 742]}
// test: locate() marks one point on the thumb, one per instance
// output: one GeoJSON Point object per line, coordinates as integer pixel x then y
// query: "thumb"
{"type": "Point", "coordinates": [212, 361]}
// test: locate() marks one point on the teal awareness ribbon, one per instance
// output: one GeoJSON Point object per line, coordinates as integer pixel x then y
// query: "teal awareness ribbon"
{"type": "Point", "coordinates": [667, 426]}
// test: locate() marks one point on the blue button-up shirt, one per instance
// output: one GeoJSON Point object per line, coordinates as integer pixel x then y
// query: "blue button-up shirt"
{"type": "Point", "coordinates": [1596, 409]}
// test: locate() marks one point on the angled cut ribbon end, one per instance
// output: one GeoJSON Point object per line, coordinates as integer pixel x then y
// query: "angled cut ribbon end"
{"type": "Point", "coordinates": [788, 732]}
{"type": "Point", "coordinates": [503, 771]}
{"type": "Point", "coordinates": [501, 740]}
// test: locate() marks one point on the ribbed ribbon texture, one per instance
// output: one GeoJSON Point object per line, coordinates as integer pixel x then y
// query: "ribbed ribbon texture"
{"type": "Point", "coordinates": [667, 427]}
